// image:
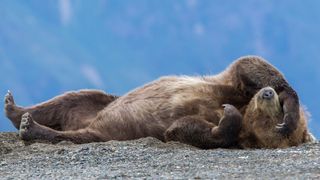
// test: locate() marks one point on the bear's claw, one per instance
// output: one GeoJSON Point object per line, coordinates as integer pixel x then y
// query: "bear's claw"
{"type": "Point", "coordinates": [8, 100]}
{"type": "Point", "coordinates": [280, 125]}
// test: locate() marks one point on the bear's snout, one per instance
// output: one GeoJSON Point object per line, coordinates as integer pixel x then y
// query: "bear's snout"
{"type": "Point", "coordinates": [268, 93]}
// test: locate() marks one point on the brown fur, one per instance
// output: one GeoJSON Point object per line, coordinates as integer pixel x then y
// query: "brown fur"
{"type": "Point", "coordinates": [70, 111]}
{"type": "Point", "coordinates": [187, 109]}
{"type": "Point", "coordinates": [259, 125]}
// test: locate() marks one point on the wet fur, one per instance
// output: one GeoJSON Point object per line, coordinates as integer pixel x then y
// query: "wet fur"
{"type": "Point", "coordinates": [182, 108]}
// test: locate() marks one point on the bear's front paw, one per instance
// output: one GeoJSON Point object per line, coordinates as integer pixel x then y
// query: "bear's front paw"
{"type": "Point", "coordinates": [230, 110]}
{"type": "Point", "coordinates": [231, 120]}
{"type": "Point", "coordinates": [288, 125]}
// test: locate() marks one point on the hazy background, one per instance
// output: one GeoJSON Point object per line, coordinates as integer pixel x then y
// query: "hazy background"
{"type": "Point", "coordinates": [48, 47]}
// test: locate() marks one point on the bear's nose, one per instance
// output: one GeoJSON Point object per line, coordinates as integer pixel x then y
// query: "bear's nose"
{"type": "Point", "coordinates": [267, 94]}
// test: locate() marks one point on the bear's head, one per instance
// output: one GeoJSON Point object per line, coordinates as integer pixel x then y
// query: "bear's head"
{"type": "Point", "coordinates": [262, 115]}
{"type": "Point", "coordinates": [260, 119]}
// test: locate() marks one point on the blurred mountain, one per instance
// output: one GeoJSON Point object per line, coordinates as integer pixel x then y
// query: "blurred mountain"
{"type": "Point", "coordinates": [49, 47]}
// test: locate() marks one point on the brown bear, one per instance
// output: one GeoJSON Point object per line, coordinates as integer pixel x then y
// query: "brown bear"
{"type": "Point", "coordinates": [206, 111]}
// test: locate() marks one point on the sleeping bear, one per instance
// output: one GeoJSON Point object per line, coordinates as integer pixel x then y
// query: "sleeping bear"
{"type": "Point", "coordinates": [248, 105]}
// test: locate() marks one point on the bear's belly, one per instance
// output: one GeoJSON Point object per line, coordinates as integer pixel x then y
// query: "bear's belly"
{"type": "Point", "coordinates": [152, 117]}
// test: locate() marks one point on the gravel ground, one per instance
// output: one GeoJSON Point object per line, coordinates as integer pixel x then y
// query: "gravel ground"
{"type": "Point", "coordinates": [150, 158]}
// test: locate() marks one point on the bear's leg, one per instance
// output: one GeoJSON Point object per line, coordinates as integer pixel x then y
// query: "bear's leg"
{"type": "Point", "coordinates": [31, 130]}
{"type": "Point", "coordinates": [252, 73]}
{"type": "Point", "coordinates": [12, 111]}
{"type": "Point", "coordinates": [70, 111]}
{"type": "Point", "coordinates": [196, 131]}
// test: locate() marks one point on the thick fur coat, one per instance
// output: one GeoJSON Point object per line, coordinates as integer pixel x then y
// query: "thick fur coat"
{"type": "Point", "coordinates": [223, 110]}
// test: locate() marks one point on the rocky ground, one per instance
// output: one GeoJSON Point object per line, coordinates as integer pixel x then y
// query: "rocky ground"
{"type": "Point", "coordinates": [151, 159]}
